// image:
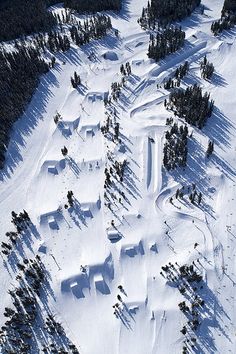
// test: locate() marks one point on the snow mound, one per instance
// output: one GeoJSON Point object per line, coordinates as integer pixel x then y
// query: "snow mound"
{"type": "Point", "coordinates": [98, 275]}
{"type": "Point", "coordinates": [133, 250]}
{"type": "Point", "coordinates": [76, 285]}
{"type": "Point", "coordinates": [51, 219]}
{"type": "Point", "coordinates": [53, 167]}
{"type": "Point", "coordinates": [110, 55]}
{"type": "Point", "coordinates": [96, 96]}
{"type": "Point", "coordinates": [101, 284]}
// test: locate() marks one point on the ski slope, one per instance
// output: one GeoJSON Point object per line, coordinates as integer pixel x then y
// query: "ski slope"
{"type": "Point", "coordinates": [152, 230]}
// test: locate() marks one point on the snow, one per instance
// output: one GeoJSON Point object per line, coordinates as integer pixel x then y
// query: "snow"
{"type": "Point", "coordinates": [110, 55]}
{"type": "Point", "coordinates": [149, 231]}
{"type": "Point", "coordinates": [42, 247]}
{"type": "Point", "coordinates": [113, 235]}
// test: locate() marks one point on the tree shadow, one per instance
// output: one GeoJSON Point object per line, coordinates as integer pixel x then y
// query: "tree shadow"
{"type": "Point", "coordinates": [124, 13]}
{"type": "Point", "coordinates": [73, 166]}
{"type": "Point", "coordinates": [110, 41]}
{"type": "Point", "coordinates": [26, 124]}
{"type": "Point", "coordinates": [210, 315]}
{"type": "Point", "coordinates": [195, 171]}
{"type": "Point", "coordinates": [71, 56]}
{"type": "Point", "coordinates": [228, 35]}
{"type": "Point", "coordinates": [219, 129]}
{"type": "Point", "coordinates": [218, 80]}
{"type": "Point", "coordinates": [77, 214]}
{"type": "Point", "coordinates": [32, 324]}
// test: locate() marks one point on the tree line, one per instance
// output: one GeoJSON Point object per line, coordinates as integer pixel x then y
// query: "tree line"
{"type": "Point", "coordinates": [179, 74]}
{"type": "Point", "coordinates": [191, 104]}
{"type": "Point", "coordinates": [30, 317]}
{"type": "Point", "coordinates": [23, 17]}
{"type": "Point", "coordinates": [176, 147]}
{"type": "Point", "coordinates": [79, 32]}
{"type": "Point", "coordinates": [189, 282]}
{"type": "Point", "coordinates": [20, 71]}
{"type": "Point", "coordinates": [159, 12]}
{"type": "Point", "coordinates": [228, 18]}
{"type": "Point", "coordinates": [94, 28]}
{"type": "Point", "coordinates": [165, 42]}
{"type": "Point", "coordinates": [93, 6]}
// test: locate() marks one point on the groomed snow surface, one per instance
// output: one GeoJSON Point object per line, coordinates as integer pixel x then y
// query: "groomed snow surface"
{"type": "Point", "coordinates": [149, 231]}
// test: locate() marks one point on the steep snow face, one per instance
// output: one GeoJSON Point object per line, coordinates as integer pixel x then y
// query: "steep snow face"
{"type": "Point", "coordinates": [127, 242]}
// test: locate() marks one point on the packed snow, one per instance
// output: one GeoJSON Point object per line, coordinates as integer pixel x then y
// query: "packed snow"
{"type": "Point", "coordinates": [91, 249]}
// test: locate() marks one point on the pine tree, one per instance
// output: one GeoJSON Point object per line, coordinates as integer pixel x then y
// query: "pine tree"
{"type": "Point", "coordinates": [20, 71]}
{"type": "Point", "coordinates": [210, 148]}
{"type": "Point", "coordinates": [191, 104]}
{"type": "Point", "coordinates": [64, 151]}
{"type": "Point", "coordinates": [175, 148]}
{"type": "Point", "coordinates": [199, 198]}
{"type": "Point", "coordinates": [162, 13]}
{"type": "Point", "coordinates": [24, 17]}
{"type": "Point", "coordinates": [228, 18]}
{"type": "Point", "coordinates": [207, 69]}
{"type": "Point", "coordinates": [177, 193]}
{"type": "Point", "coordinates": [93, 6]}
{"type": "Point", "coordinates": [165, 42]}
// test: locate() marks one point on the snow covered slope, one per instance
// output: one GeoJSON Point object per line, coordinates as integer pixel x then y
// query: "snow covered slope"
{"type": "Point", "coordinates": [152, 231]}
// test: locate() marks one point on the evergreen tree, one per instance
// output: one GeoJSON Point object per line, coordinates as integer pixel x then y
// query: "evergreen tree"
{"type": "Point", "coordinates": [207, 69]}
{"type": "Point", "coordinates": [94, 28]}
{"type": "Point", "coordinates": [20, 71]}
{"type": "Point", "coordinates": [175, 148]}
{"type": "Point", "coordinates": [64, 151]}
{"type": "Point", "coordinates": [210, 148]}
{"type": "Point", "coordinates": [93, 6]}
{"type": "Point", "coordinates": [159, 12]}
{"type": "Point", "coordinates": [228, 17]}
{"type": "Point", "coordinates": [191, 104]}
{"type": "Point", "coordinates": [75, 81]}
{"type": "Point", "coordinates": [199, 198]}
{"type": "Point", "coordinates": [165, 42]}
{"type": "Point", "coordinates": [24, 17]}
